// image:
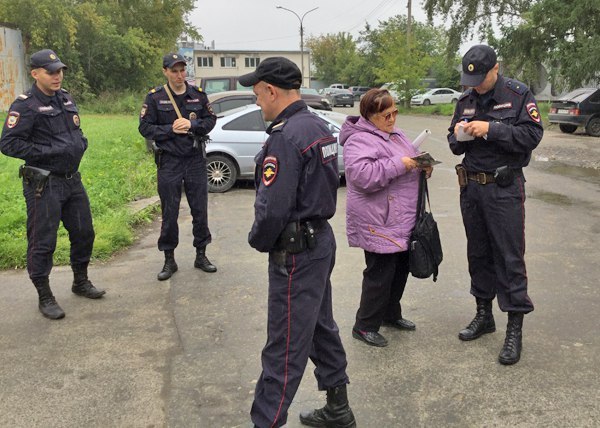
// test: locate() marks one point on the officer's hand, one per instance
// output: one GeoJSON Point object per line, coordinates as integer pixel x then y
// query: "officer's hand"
{"type": "Point", "coordinates": [181, 126]}
{"type": "Point", "coordinates": [409, 163]}
{"type": "Point", "coordinates": [477, 128]}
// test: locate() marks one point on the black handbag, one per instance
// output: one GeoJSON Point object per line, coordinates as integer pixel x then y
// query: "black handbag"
{"type": "Point", "coordinates": [425, 248]}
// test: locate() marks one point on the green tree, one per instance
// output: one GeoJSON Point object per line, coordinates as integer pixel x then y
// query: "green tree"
{"type": "Point", "coordinates": [561, 35]}
{"type": "Point", "coordinates": [335, 58]}
{"type": "Point", "coordinates": [108, 44]}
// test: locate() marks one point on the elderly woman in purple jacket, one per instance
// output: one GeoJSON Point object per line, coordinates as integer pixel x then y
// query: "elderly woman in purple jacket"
{"type": "Point", "coordinates": [382, 191]}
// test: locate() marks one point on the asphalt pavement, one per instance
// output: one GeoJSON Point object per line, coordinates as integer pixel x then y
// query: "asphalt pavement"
{"type": "Point", "coordinates": [186, 352]}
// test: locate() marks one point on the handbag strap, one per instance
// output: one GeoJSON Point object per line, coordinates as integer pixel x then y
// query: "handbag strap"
{"type": "Point", "coordinates": [173, 101]}
{"type": "Point", "coordinates": [423, 195]}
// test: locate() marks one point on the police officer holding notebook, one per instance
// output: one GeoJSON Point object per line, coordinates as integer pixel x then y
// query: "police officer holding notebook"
{"type": "Point", "coordinates": [42, 128]}
{"type": "Point", "coordinates": [496, 125]}
{"type": "Point", "coordinates": [297, 180]}
{"type": "Point", "coordinates": [177, 116]}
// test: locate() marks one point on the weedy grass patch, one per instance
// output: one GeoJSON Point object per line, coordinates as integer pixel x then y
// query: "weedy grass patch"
{"type": "Point", "coordinates": [116, 170]}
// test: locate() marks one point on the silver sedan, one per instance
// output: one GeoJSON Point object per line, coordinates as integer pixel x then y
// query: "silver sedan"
{"type": "Point", "coordinates": [238, 136]}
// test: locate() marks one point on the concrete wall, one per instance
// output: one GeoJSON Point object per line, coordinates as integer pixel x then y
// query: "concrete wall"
{"type": "Point", "coordinates": [13, 74]}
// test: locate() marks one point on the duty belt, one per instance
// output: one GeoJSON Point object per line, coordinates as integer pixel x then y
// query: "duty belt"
{"type": "Point", "coordinates": [481, 177]}
{"type": "Point", "coordinates": [66, 175]}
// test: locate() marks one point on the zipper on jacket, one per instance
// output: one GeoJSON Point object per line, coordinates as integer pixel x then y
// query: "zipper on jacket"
{"type": "Point", "coordinates": [373, 232]}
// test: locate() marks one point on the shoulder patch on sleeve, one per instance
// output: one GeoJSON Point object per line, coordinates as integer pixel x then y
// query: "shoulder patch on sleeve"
{"type": "Point", "coordinates": [533, 112]}
{"type": "Point", "coordinates": [270, 168]}
{"type": "Point", "coordinates": [12, 119]}
{"type": "Point", "coordinates": [516, 86]}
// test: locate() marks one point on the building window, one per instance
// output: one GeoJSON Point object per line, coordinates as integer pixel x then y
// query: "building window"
{"type": "Point", "coordinates": [228, 61]}
{"type": "Point", "coordinates": [252, 62]}
{"type": "Point", "coordinates": [205, 61]}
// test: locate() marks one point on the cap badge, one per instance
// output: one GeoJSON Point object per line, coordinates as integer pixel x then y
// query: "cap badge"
{"type": "Point", "coordinates": [174, 56]}
{"type": "Point", "coordinates": [471, 67]}
{"type": "Point", "coordinates": [52, 56]}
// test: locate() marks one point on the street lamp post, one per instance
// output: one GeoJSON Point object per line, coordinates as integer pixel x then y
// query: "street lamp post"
{"type": "Point", "coordinates": [301, 35]}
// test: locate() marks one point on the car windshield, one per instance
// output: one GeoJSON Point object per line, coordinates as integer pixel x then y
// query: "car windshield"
{"type": "Point", "coordinates": [310, 91]}
{"type": "Point", "coordinates": [577, 95]}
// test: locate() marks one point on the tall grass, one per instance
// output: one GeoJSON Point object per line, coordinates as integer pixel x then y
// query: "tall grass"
{"type": "Point", "coordinates": [116, 169]}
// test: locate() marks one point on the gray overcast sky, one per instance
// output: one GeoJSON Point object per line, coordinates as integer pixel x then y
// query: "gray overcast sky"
{"type": "Point", "coordinates": [257, 24]}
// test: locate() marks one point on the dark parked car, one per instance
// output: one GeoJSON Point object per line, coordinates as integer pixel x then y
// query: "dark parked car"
{"type": "Point", "coordinates": [223, 101]}
{"type": "Point", "coordinates": [580, 107]}
{"type": "Point", "coordinates": [357, 91]}
{"type": "Point", "coordinates": [339, 97]}
{"type": "Point", "coordinates": [313, 99]}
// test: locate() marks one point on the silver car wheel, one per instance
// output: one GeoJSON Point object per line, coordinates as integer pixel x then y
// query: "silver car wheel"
{"type": "Point", "coordinates": [221, 172]}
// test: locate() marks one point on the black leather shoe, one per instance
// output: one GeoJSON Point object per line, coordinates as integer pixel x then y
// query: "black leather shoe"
{"type": "Point", "coordinates": [87, 289]}
{"type": "Point", "coordinates": [369, 337]}
{"type": "Point", "coordinates": [50, 309]}
{"type": "Point", "coordinates": [401, 324]}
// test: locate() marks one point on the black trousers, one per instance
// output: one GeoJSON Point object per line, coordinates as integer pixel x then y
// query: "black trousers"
{"type": "Point", "coordinates": [62, 200]}
{"type": "Point", "coordinates": [494, 220]}
{"type": "Point", "coordinates": [300, 326]}
{"type": "Point", "coordinates": [173, 172]}
{"type": "Point", "coordinates": [384, 280]}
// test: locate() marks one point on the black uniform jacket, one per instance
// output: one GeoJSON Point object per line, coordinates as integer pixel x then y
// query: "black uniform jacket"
{"type": "Point", "coordinates": [158, 114]}
{"type": "Point", "coordinates": [296, 175]}
{"type": "Point", "coordinates": [515, 126]}
{"type": "Point", "coordinates": [44, 131]}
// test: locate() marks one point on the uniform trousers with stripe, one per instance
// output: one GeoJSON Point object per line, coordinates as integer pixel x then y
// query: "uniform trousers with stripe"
{"type": "Point", "coordinates": [63, 199]}
{"type": "Point", "coordinates": [189, 172]}
{"type": "Point", "coordinates": [300, 326]}
{"type": "Point", "coordinates": [494, 220]}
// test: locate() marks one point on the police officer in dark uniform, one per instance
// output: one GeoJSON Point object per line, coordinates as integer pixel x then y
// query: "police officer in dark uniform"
{"type": "Point", "coordinates": [297, 181]}
{"type": "Point", "coordinates": [178, 117]}
{"type": "Point", "coordinates": [496, 125]}
{"type": "Point", "coordinates": [42, 128]}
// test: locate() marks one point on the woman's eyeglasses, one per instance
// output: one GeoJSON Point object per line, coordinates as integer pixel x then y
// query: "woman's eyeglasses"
{"type": "Point", "coordinates": [389, 115]}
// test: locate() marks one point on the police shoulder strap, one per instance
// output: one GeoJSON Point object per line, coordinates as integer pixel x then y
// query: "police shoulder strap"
{"type": "Point", "coordinates": [173, 101]}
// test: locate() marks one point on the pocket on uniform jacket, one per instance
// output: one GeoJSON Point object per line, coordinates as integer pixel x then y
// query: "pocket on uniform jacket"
{"type": "Point", "coordinates": [503, 116]}
{"type": "Point", "coordinates": [166, 113]}
{"type": "Point", "coordinates": [52, 120]}
{"type": "Point", "coordinates": [72, 116]}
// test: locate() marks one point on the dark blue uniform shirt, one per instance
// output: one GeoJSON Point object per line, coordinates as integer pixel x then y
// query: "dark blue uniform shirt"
{"type": "Point", "coordinates": [44, 131]}
{"type": "Point", "coordinates": [515, 126]}
{"type": "Point", "coordinates": [158, 114]}
{"type": "Point", "coordinates": [296, 175]}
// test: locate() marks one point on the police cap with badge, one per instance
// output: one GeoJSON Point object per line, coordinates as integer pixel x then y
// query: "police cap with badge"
{"type": "Point", "coordinates": [476, 63]}
{"type": "Point", "coordinates": [277, 71]}
{"type": "Point", "coordinates": [170, 59]}
{"type": "Point", "coordinates": [47, 59]}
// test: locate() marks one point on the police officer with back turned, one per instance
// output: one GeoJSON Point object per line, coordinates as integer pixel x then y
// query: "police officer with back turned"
{"type": "Point", "coordinates": [496, 125]}
{"type": "Point", "coordinates": [177, 117]}
{"type": "Point", "coordinates": [297, 180]}
{"type": "Point", "coordinates": [42, 128]}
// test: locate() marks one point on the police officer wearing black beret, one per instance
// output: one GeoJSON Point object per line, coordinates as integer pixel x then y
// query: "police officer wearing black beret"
{"type": "Point", "coordinates": [297, 180]}
{"type": "Point", "coordinates": [177, 116]}
{"type": "Point", "coordinates": [42, 128]}
{"type": "Point", "coordinates": [496, 125]}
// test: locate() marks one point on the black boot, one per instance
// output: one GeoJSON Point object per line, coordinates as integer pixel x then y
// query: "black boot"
{"type": "Point", "coordinates": [202, 261]}
{"type": "Point", "coordinates": [336, 413]}
{"type": "Point", "coordinates": [170, 267]}
{"type": "Point", "coordinates": [482, 323]}
{"type": "Point", "coordinates": [82, 286]}
{"type": "Point", "coordinates": [48, 306]}
{"type": "Point", "coordinates": [511, 351]}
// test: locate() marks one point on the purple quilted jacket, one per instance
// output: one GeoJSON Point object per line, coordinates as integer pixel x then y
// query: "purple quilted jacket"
{"type": "Point", "coordinates": [382, 196]}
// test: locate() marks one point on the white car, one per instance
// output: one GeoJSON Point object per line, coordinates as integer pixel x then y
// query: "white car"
{"type": "Point", "coordinates": [238, 136]}
{"type": "Point", "coordinates": [436, 96]}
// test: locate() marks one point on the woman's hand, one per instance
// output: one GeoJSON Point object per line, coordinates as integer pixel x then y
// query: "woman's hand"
{"type": "Point", "coordinates": [409, 163]}
{"type": "Point", "coordinates": [428, 170]}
